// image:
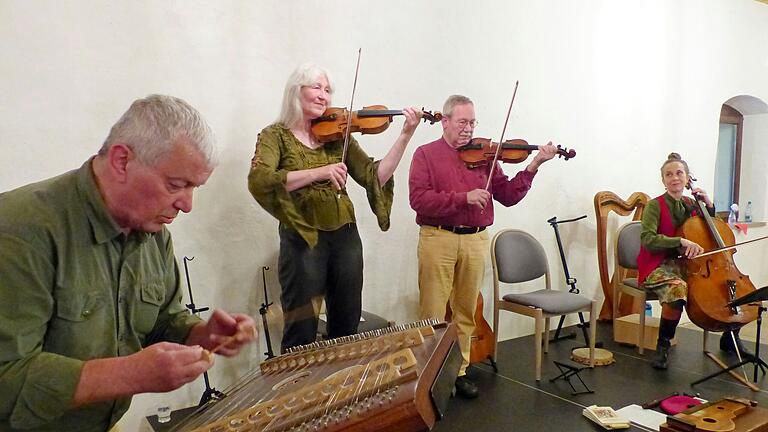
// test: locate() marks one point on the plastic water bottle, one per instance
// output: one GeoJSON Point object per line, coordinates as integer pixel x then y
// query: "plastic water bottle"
{"type": "Point", "coordinates": [732, 215]}
{"type": "Point", "coordinates": [163, 414]}
{"type": "Point", "coordinates": [748, 212]}
{"type": "Point", "coordinates": [648, 309]}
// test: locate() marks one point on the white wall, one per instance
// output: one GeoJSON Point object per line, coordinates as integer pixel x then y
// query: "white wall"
{"type": "Point", "coordinates": [622, 82]}
{"type": "Point", "coordinates": [754, 187]}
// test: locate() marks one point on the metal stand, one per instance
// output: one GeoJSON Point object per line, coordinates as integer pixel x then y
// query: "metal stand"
{"type": "Point", "coordinates": [758, 362]}
{"type": "Point", "coordinates": [753, 298]}
{"type": "Point", "coordinates": [583, 325]}
{"type": "Point", "coordinates": [755, 360]}
{"type": "Point", "coordinates": [263, 312]}
{"type": "Point", "coordinates": [566, 372]}
{"type": "Point", "coordinates": [210, 393]}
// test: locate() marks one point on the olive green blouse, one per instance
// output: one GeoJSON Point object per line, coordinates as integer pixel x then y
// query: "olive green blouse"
{"type": "Point", "coordinates": [679, 210]}
{"type": "Point", "coordinates": [317, 206]}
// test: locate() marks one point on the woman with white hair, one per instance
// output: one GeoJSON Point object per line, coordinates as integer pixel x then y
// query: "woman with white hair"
{"type": "Point", "coordinates": [302, 183]}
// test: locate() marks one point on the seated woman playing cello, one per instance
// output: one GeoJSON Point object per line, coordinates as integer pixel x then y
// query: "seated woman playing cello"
{"type": "Point", "coordinates": [659, 270]}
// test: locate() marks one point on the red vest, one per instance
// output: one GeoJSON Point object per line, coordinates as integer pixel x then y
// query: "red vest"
{"type": "Point", "coordinates": [648, 261]}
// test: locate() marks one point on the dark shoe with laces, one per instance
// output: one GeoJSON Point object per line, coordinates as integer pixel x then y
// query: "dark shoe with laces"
{"type": "Point", "coordinates": [466, 388]}
{"type": "Point", "coordinates": [661, 357]}
{"type": "Point", "coordinates": [726, 344]}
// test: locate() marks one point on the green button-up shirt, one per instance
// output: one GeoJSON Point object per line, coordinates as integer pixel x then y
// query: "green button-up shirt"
{"type": "Point", "coordinates": [316, 207]}
{"type": "Point", "coordinates": [73, 287]}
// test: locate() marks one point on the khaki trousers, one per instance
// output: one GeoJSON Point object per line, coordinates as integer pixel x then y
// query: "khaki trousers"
{"type": "Point", "coordinates": [451, 269]}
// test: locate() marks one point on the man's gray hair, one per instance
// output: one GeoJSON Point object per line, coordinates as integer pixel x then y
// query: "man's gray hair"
{"type": "Point", "coordinates": [454, 100]}
{"type": "Point", "coordinates": [152, 126]}
{"type": "Point", "coordinates": [304, 75]}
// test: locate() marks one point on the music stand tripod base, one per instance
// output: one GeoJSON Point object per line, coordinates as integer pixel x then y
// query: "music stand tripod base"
{"type": "Point", "coordinates": [754, 298]}
{"type": "Point", "coordinates": [566, 372]}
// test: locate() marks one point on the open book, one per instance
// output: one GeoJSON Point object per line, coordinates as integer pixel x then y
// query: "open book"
{"type": "Point", "coordinates": [605, 417]}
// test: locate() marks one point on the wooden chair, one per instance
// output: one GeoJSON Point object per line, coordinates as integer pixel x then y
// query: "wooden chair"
{"type": "Point", "coordinates": [518, 257]}
{"type": "Point", "coordinates": [605, 203]}
{"type": "Point", "coordinates": [625, 277]}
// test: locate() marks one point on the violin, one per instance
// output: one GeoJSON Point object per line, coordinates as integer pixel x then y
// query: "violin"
{"type": "Point", "coordinates": [481, 151]}
{"type": "Point", "coordinates": [713, 279]}
{"type": "Point", "coordinates": [370, 120]}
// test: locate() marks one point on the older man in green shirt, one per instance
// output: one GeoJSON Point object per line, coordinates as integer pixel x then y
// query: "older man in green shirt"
{"type": "Point", "coordinates": [90, 299]}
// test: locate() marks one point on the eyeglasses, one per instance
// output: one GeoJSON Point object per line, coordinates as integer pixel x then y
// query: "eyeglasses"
{"type": "Point", "coordinates": [463, 123]}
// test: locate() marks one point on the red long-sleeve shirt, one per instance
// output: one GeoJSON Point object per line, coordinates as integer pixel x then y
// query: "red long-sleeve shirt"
{"type": "Point", "coordinates": [439, 181]}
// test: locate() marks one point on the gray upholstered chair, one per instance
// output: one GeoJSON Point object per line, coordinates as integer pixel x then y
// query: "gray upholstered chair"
{"type": "Point", "coordinates": [518, 257]}
{"type": "Point", "coordinates": [627, 248]}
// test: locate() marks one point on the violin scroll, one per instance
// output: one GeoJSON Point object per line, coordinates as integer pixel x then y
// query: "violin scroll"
{"type": "Point", "coordinates": [565, 153]}
{"type": "Point", "coordinates": [431, 118]}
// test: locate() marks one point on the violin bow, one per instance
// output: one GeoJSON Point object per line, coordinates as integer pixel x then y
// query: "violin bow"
{"type": "Point", "coordinates": [726, 248]}
{"type": "Point", "coordinates": [349, 116]}
{"type": "Point", "coordinates": [501, 140]}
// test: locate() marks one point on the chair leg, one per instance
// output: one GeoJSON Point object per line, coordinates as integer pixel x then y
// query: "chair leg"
{"type": "Point", "coordinates": [538, 327]}
{"type": "Point", "coordinates": [495, 329]}
{"type": "Point", "coordinates": [641, 332]}
{"type": "Point", "coordinates": [546, 335]}
{"type": "Point", "coordinates": [592, 332]}
{"type": "Point", "coordinates": [704, 340]}
{"type": "Point", "coordinates": [614, 313]}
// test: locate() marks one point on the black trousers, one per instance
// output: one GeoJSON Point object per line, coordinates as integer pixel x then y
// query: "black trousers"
{"type": "Point", "coordinates": [334, 270]}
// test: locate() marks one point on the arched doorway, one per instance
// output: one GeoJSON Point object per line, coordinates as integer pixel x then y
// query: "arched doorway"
{"type": "Point", "coordinates": [742, 153]}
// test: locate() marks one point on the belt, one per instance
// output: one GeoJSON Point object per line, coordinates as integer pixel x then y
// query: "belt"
{"type": "Point", "coordinates": [459, 229]}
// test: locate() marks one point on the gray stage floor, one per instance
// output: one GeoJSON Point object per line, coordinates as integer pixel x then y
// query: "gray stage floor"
{"type": "Point", "coordinates": [512, 399]}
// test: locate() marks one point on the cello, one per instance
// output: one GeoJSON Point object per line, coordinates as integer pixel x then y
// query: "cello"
{"type": "Point", "coordinates": [713, 279]}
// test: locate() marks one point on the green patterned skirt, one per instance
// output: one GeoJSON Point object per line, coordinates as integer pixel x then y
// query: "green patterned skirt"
{"type": "Point", "coordinates": [668, 282]}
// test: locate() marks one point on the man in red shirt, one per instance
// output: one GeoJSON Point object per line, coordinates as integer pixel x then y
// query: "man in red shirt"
{"type": "Point", "coordinates": [453, 209]}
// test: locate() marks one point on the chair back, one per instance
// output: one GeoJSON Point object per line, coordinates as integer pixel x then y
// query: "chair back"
{"type": "Point", "coordinates": [518, 257]}
{"type": "Point", "coordinates": [628, 245]}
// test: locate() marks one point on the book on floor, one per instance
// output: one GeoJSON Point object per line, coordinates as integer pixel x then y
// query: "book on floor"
{"type": "Point", "coordinates": [605, 417]}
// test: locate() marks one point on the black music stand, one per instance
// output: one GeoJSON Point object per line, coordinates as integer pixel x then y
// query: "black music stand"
{"type": "Point", "coordinates": [571, 281]}
{"type": "Point", "coordinates": [210, 393]}
{"type": "Point", "coordinates": [263, 312]}
{"type": "Point", "coordinates": [757, 296]}
{"type": "Point", "coordinates": [566, 372]}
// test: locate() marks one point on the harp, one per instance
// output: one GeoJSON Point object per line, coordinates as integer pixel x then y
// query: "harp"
{"type": "Point", "coordinates": [393, 379]}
